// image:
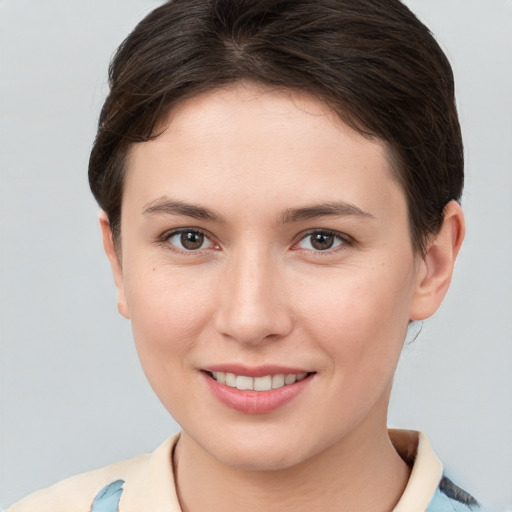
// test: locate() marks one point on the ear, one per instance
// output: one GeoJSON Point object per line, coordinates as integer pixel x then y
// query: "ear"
{"type": "Point", "coordinates": [436, 267]}
{"type": "Point", "coordinates": [115, 263]}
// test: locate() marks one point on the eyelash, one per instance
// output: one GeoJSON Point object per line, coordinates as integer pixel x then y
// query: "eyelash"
{"type": "Point", "coordinates": [342, 239]}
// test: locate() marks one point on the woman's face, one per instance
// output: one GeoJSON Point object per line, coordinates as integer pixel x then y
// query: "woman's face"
{"type": "Point", "coordinates": [261, 237]}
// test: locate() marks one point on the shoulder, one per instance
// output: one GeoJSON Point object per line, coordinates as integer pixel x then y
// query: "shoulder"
{"type": "Point", "coordinates": [76, 494]}
{"type": "Point", "coordinates": [102, 489]}
{"type": "Point", "coordinates": [451, 498]}
{"type": "Point", "coordinates": [428, 489]}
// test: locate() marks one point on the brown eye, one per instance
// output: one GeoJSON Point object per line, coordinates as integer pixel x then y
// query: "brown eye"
{"type": "Point", "coordinates": [321, 241]}
{"type": "Point", "coordinates": [191, 240]}
{"type": "Point", "coordinates": [188, 240]}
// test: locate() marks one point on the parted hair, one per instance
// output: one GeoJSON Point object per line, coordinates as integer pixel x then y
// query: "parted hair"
{"type": "Point", "coordinates": [372, 61]}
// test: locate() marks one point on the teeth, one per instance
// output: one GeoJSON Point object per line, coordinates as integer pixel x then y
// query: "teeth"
{"type": "Point", "coordinates": [243, 382]}
{"type": "Point", "coordinates": [265, 383]}
{"type": "Point", "coordinates": [278, 381]}
{"type": "Point", "coordinates": [290, 379]}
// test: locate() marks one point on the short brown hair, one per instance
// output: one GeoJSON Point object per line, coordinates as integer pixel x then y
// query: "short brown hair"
{"type": "Point", "coordinates": [372, 61]}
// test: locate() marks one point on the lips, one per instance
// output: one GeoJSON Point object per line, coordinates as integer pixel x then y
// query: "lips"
{"type": "Point", "coordinates": [256, 390]}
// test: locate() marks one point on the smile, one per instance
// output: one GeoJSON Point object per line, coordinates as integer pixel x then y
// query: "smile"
{"type": "Point", "coordinates": [264, 383]}
{"type": "Point", "coordinates": [264, 390]}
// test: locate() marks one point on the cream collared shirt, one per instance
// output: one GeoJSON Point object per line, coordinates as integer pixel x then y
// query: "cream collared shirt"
{"type": "Point", "coordinates": [149, 481]}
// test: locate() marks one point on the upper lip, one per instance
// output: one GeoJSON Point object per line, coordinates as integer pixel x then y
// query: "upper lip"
{"type": "Point", "coordinates": [254, 371]}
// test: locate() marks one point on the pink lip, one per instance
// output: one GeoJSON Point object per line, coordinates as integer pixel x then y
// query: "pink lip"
{"type": "Point", "coordinates": [256, 402]}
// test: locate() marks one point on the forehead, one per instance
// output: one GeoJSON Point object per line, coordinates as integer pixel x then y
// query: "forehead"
{"type": "Point", "coordinates": [280, 145]}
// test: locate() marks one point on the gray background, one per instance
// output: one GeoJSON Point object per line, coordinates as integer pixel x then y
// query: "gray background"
{"type": "Point", "coordinates": [72, 394]}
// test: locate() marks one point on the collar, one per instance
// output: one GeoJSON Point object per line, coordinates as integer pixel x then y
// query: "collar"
{"type": "Point", "coordinates": [426, 472]}
{"type": "Point", "coordinates": [155, 488]}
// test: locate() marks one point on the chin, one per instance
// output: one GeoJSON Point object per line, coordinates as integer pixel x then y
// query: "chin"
{"type": "Point", "coordinates": [260, 459]}
{"type": "Point", "coordinates": [263, 452]}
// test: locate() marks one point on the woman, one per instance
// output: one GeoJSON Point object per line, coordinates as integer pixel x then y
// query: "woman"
{"type": "Point", "coordinates": [279, 186]}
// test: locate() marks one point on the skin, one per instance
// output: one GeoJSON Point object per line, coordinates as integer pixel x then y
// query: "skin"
{"type": "Point", "coordinates": [258, 292]}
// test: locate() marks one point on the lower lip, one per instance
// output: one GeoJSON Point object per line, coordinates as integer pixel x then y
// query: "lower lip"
{"type": "Point", "coordinates": [255, 402]}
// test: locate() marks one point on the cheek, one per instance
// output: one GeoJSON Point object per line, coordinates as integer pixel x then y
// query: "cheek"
{"type": "Point", "coordinates": [360, 318]}
{"type": "Point", "coordinates": [168, 310]}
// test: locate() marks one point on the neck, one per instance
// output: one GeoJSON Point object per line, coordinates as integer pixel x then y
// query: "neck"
{"type": "Point", "coordinates": [360, 472]}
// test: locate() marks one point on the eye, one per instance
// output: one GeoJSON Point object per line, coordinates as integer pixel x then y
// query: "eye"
{"type": "Point", "coordinates": [188, 240]}
{"type": "Point", "coordinates": [321, 240]}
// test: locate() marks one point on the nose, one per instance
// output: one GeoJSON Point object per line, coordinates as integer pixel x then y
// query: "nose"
{"type": "Point", "coordinates": [253, 302]}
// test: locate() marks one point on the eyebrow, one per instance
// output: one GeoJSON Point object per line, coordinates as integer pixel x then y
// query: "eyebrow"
{"type": "Point", "coordinates": [323, 210]}
{"type": "Point", "coordinates": [170, 207]}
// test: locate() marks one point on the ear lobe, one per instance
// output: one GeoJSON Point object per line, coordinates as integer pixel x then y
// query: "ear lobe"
{"type": "Point", "coordinates": [115, 263]}
{"type": "Point", "coordinates": [436, 267]}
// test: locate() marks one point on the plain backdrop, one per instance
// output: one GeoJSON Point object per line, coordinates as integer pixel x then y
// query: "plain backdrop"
{"type": "Point", "coordinates": [73, 396]}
